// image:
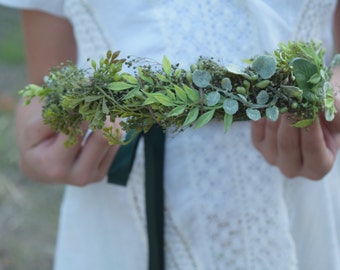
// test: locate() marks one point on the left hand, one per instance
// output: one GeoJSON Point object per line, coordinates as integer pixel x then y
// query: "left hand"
{"type": "Point", "coordinates": [303, 152]}
{"type": "Point", "coordinates": [308, 152]}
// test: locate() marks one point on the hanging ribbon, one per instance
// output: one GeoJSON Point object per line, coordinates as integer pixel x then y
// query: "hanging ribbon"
{"type": "Point", "coordinates": [154, 193]}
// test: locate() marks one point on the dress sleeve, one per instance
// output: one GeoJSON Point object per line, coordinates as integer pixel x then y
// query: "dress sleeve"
{"type": "Point", "coordinates": [55, 7]}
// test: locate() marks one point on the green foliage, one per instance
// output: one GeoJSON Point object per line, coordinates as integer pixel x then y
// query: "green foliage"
{"type": "Point", "coordinates": [293, 80]}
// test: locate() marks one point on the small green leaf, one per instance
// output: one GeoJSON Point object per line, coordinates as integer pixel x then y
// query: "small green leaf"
{"type": "Point", "coordinates": [232, 68]}
{"type": "Point", "coordinates": [228, 120]}
{"type": "Point", "coordinates": [192, 94]}
{"type": "Point", "coordinates": [201, 78]}
{"type": "Point", "coordinates": [204, 119]}
{"type": "Point", "coordinates": [91, 98]}
{"type": "Point", "coordinates": [180, 93]}
{"type": "Point", "coordinates": [191, 117]}
{"type": "Point", "coordinates": [230, 106]}
{"type": "Point", "coordinates": [265, 66]}
{"type": "Point", "coordinates": [213, 98]}
{"type": "Point", "coordinates": [161, 98]}
{"type": "Point", "coordinates": [132, 93]}
{"type": "Point", "coordinates": [272, 113]}
{"type": "Point", "coordinates": [177, 111]}
{"type": "Point", "coordinates": [170, 94]}
{"type": "Point", "coordinates": [303, 123]}
{"type": "Point", "coordinates": [166, 65]}
{"type": "Point", "coordinates": [149, 100]}
{"type": "Point", "coordinates": [262, 97]}
{"type": "Point", "coordinates": [253, 114]}
{"type": "Point", "coordinates": [105, 109]}
{"type": "Point", "coordinates": [143, 77]}
{"type": "Point", "coordinates": [118, 86]}
{"type": "Point", "coordinates": [161, 77]}
{"type": "Point", "coordinates": [130, 79]}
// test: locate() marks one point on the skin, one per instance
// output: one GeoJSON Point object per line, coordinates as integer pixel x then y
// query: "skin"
{"type": "Point", "coordinates": [302, 152]}
{"type": "Point", "coordinates": [49, 41]}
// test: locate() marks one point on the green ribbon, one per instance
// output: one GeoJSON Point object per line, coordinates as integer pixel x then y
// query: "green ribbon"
{"type": "Point", "coordinates": [154, 193]}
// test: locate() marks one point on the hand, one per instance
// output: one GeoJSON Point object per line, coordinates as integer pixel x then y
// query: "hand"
{"type": "Point", "coordinates": [43, 156]}
{"type": "Point", "coordinates": [308, 152]}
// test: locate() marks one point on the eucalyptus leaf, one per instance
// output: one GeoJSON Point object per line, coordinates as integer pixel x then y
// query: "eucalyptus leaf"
{"type": "Point", "coordinates": [253, 114]}
{"type": "Point", "coordinates": [234, 69]}
{"type": "Point", "coordinates": [262, 97]}
{"type": "Point", "coordinates": [272, 113]}
{"type": "Point", "coordinates": [201, 78]}
{"type": "Point", "coordinates": [265, 66]}
{"type": "Point", "coordinates": [213, 98]}
{"type": "Point", "coordinates": [230, 106]}
{"type": "Point", "coordinates": [226, 84]}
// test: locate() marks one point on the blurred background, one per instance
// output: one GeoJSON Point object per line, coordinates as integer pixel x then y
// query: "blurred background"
{"type": "Point", "coordinates": [28, 210]}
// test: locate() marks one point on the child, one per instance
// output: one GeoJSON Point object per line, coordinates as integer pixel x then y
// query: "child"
{"type": "Point", "coordinates": [226, 205]}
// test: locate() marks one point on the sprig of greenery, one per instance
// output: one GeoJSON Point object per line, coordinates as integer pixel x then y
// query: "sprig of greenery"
{"type": "Point", "coordinates": [292, 80]}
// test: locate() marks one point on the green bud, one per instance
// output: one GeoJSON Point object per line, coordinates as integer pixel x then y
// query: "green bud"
{"type": "Point", "coordinates": [246, 84]}
{"type": "Point", "coordinates": [283, 110]}
{"type": "Point", "coordinates": [262, 84]}
{"type": "Point", "coordinates": [254, 77]}
{"type": "Point", "coordinates": [188, 76]}
{"type": "Point", "coordinates": [241, 90]}
{"type": "Point", "coordinates": [193, 67]}
{"type": "Point", "coordinates": [294, 105]}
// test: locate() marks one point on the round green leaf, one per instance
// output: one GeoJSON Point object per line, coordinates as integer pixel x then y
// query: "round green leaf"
{"type": "Point", "coordinates": [230, 106]}
{"type": "Point", "coordinates": [213, 98]}
{"type": "Point", "coordinates": [262, 97]}
{"type": "Point", "coordinates": [272, 113]}
{"type": "Point", "coordinates": [201, 78]}
{"type": "Point", "coordinates": [265, 66]}
{"type": "Point", "coordinates": [253, 114]}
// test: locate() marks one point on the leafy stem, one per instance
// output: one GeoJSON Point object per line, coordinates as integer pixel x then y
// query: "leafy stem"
{"type": "Point", "coordinates": [292, 80]}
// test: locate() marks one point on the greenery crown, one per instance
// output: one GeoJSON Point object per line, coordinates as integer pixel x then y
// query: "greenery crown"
{"type": "Point", "coordinates": [292, 80]}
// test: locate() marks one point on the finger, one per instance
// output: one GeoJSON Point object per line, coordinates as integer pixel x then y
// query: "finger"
{"type": "Point", "coordinates": [258, 131]}
{"type": "Point", "coordinates": [317, 157]}
{"type": "Point", "coordinates": [265, 138]}
{"type": "Point", "coordinates": [88, 166]}
{"type": "Point", "coordinates": [289, 155]}
{"type": "Point", "coordinates": [35, 131]}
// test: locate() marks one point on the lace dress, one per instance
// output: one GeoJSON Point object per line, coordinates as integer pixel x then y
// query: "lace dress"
{"type": "Point", "coordinates": [225, 207]}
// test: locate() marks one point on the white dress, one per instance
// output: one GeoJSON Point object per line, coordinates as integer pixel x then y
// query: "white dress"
{"type": "Point", "coordinates": [226, 208]}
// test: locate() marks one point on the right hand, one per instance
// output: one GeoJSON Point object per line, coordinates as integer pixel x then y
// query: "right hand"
{"type": "Point", "coordinates": [43, 156]}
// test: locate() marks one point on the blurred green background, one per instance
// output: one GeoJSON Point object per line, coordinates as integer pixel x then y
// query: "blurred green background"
{"type": "Point", "coordinates": [28, 210]}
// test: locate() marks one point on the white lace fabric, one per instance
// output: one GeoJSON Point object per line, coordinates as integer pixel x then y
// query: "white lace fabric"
{"type": "Point", "coordinates": [225, 207]}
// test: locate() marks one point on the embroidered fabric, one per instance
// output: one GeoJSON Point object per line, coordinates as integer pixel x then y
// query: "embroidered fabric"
{"type": "Point", "coordinates": [225, 206]}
